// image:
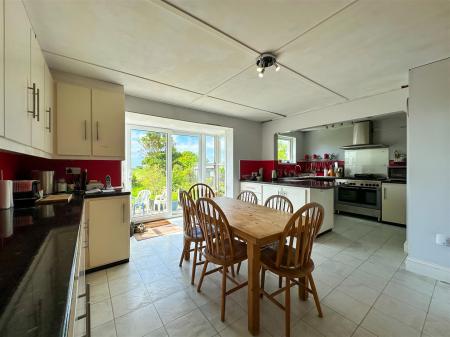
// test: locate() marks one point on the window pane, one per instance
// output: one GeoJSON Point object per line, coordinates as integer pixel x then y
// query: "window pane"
{"type": "Point", "coordinates": [223, 152]}
{"type": "Point", "coordinates": [284, 149]}
{"type": "Point", "coordinates": [185, 161]}
{"type": "Point", "coordinates": [210, 176]}
{"type": "Point", "coordinates": [210, 149]}
{"type": "Point", "coordinates": [221, 180]}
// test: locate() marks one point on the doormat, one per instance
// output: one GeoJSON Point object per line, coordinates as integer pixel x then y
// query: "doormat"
{"type": "Point", "coordinates": [157, 228]}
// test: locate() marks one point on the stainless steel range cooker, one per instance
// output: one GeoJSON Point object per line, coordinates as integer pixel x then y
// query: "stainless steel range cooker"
{"type": "Point", "coordinates": [360, 194]}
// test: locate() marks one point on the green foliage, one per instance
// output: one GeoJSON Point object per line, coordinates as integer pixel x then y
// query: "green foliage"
{"type": "Point", "coordinates": [283, 150]}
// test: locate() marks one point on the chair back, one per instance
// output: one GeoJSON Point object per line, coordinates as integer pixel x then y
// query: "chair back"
{"type": "Point", "coordinates": [295, 245]}
{"type": "Point", "coordinates": [143, 196]}
{"type": "Point", "coordinates": [216, 230]}
{"type": "Point", "coordinates": [200, 190]}
{"type": "Point", "coordinates": [190, 218]}
{"type": "Point", "coordinates": [280, 203]}
{"type": "Point", "coordinates": [248, 196]}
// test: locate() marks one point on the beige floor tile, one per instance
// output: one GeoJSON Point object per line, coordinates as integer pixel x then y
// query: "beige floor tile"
{"type": "Point", "coordinates": [304, 330]}
{"type": "Point", "coordinates": [346, 306]}
{"type": "Point", "coordinates": [378, 269]}
{"type": "Point", "coordinates": [331, 324]}
{"type": "Point", "coordinates": [125, 284]}
{"type": "Point", "coordinates": [361, 332]}
{"type": "Point", "coordinates": [193, 324]}
{"type": "Point", "coordinates": [233, 312]}
{"type": "Point", "coordinates": [138, 323]}
{"type": "Point", "coordinates": [174, 306]}
{"type": "Point", "coordinates": [99, 292]}
{"type": "Point", "coordinates": [129, 301]}
{"type": "Point", "coordinates": [439, 308]}
{"type": "Point", "coordinates": [401, 311]}
{"type": "Point", "coordinates": [385, 326]}
{"type": "Point", "coordinates": [415, 282]}
{"type": "Point", "coordinates": [105, 330]}
{"type": "Point", "coordinates": [101, 313]}
{"type": "Point", "coordinates": [348, 259]}
{"type": "Point", "coordinates": [436, 326]}
{"type": "Point", "coordinates": [402, 293]}
{"type": "Point", "coordinates": [121, 270]}
{"type": "Point", "coordinates": [164, 287]}
{"type": "Point", "coordinates": [97, 277]}
{"type": "Point", "coordinates": [239, 329]}
{"type": "Point", "coordinates": [336, 267]}
{"type": "Point", "coordinates": [355, 288]}
{"type": "Point", "coordinates": [442, 292]}
{"type": "Point", "coordinates": [161, 332]}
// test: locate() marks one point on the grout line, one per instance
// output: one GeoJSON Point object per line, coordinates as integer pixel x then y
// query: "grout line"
{"type": "Point", "coordinates": [428, 309]}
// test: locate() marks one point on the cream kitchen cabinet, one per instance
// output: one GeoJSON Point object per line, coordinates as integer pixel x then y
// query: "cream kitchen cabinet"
{"type": "Point", "coordinates": [393, 204]}
{"type": "Point", "coordinates": [2, 70]}
{"type": "Point", "coordinates": [256, 188]}
{"type": "Point", "coordinates": [37, 75]}
{"type": "Point", "coordinates": [19, 97]}
{"type": "Point", "coordinates": [299, 196]}
{"type": "Point", "coordinates": [108, 118]}
{"type": "Point", "coordinates": [49, 111]}
{"type": "Point", "coordinates": [90, 121]}
{"type": "Point", "coordinates": [108, 222]}
{"type": "Point", "coordinates": [269, 190]}
{"type": "Point", "coordinates": [73, 126]}
{"type": "Point", "coordinates": [324, 197]}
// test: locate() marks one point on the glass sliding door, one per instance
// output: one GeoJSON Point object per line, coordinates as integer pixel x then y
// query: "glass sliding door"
{"type": "Point", "coordinates": [148, 172]}
{"type": "Point", "coordinates": [215, 159]}
{"type": "Point", "coordinates": [185, 165]}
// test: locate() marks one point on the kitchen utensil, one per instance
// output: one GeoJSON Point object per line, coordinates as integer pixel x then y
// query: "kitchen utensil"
{"type": "Point", "coordinates": [46, 179]}
{"type": "Point", "coordinates": [274, 175]}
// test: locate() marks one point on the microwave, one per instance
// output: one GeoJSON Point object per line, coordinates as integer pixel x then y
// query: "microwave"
{"type": "Point", "coordinates": [397, 173]}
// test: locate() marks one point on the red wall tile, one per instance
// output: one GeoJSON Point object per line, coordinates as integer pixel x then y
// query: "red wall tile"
{"type": "Point", "coordinates": [19, 166]}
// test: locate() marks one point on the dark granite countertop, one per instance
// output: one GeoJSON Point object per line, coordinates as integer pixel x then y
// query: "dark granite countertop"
{"type": "Point", "coordinates": [306, 183]}
{"type": "Point", "coordinates": [106, 194]}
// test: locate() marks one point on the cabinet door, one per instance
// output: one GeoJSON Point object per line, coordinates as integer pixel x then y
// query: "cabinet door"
{"type": "Point", "coordinates": [49, 112]}
{"type": "Point", "coordinates": [108, 122]}
{"type": "Point", "coordinates": [269, 190]}
{"type": "Point", "coordinates": [37, 78]}
{"type": "Point", "coordinates": [73, 104]}
{"type": "Point", "coordinates": [393, 207]}
{"type": "Point", "coordinates": [18, 98]}
{"type": "Point", "coordinates": [297, 195]}
{"type": "Point", "coordinates": [109, 230]}
{"type": "Point", "coordinates": [324, 197]}
{"type": "Point", "coordinates": [2, 69]}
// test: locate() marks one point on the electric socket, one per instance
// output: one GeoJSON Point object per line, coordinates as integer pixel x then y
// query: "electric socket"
{"type": "Point", "coordinates": [73, 170]}
{"type": "Point", "coordinates": [443, 240]}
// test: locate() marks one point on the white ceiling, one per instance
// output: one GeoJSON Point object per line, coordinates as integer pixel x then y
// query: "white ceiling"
{"type": "Point", "coordinates": [201, 54]}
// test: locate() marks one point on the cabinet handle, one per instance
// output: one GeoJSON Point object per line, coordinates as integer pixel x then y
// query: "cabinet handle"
{"type": "Point", "coordinates": [37, 108]}
{"type": "Point", "coordinates": [49, 127]}
{"type": "Point", "coordinates": [123, 212]}
{"type": "Point", "coordinates": [33, 89]}
{"type": "Point", "coordinates": [384, 193]}
{"type": "Point", "coordinates": [96, 125]}
{"type": "Point", "coordinates": [85, 129]}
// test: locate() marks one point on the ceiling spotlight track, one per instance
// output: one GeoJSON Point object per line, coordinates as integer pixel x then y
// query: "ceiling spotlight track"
{"type": "Point", "coordinates": [264, 61]}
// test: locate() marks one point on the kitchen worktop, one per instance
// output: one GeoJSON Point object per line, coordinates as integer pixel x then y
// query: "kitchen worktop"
{"type": "Point", "coordinates": [102, 194]}
{"type": "Point", "coordinates": [305, 183]}
{"type": "Point", "coordinates": [37, 251]}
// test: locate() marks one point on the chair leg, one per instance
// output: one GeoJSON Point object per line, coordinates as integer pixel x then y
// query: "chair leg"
{"type": "Point", "coordinates": [263, 279]}
{"type": "Point", "coordinates": [287, 300]}
{"type": "Point", "coordinates": [303, 288]}
{"type": "Point", "coordinates": [183, 253]}
{"type": "Point", "coordinates": [280, 281]}
{"type": "Point", "coordinates": [238, 268]}
{"type": "Point", "coordinates": [224, 289]}
{"type": "Point", "coordinates": [232, 271]}
{"type": "Point", "coordinates": [194, 263]}
{"type": "Point", "coordinates": [315, 295]}
{"type": "Point", "coordinates": [203, 276]}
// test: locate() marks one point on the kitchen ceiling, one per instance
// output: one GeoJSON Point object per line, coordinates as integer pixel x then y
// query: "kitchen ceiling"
{"type": "Point", "coordinates": [201, 54]}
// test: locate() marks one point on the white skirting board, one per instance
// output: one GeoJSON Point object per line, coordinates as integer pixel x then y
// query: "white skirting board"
{"type": "Point", "coordinates": [428, 269]}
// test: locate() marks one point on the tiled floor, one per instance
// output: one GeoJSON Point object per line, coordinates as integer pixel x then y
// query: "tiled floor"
{"type": "Point", "coordinates": [364, 289]}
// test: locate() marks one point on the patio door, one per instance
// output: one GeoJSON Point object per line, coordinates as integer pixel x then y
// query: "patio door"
{"type": "Point", "coordinates": [148, 162]}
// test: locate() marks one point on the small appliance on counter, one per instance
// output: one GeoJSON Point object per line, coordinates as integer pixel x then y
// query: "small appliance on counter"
{"type": "Point", "coordinates": [46, 179]}
{"type": "Point", "coordinates": [25, 193]}
{"type": "Point", "coordinates": [6, 194]}
{"type": "Point", "coordinates": [274, 175]}
{"type": "Point", "coordinates": [94, 184]}
{"type": "Point", "coordinates": [61, 186]}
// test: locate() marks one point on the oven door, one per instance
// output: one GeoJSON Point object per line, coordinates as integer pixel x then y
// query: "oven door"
{"type": "Point", "coordinates": [359, 196]}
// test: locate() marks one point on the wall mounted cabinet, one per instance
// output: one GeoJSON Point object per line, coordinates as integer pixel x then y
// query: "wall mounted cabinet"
{"type": "Point", "coordinates": [49, 112]}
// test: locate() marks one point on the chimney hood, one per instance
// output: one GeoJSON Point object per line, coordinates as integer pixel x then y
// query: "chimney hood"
{"type": "Point", "coordinates": [362, 137]}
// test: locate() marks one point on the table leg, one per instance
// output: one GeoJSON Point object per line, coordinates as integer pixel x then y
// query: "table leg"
{"type": "Point", "coordinates": [253, 254]}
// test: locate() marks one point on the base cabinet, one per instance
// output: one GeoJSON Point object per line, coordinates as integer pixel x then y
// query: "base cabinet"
{"type": "Point", "coordinates": [393, 203]}
{"type": "Point", "coordinates": [108, 222]}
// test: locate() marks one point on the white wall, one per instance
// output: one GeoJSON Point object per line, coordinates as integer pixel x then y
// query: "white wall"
{"type": "Point", "coordinates": [393, 101]}
{"type": "Point", "coordinates": [327, 141]}
{"type": "Point", "coordinates": [247, 134]}
{"type": "Point", "coordinates": [428, 194]}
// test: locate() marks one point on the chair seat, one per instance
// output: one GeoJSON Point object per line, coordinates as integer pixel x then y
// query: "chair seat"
{"type": "Point", "coordinates": [197, 234]}
{"type": "Point", "coordinates": [269, 259]}
{"type": "Point", "coordinates": [239, 250]}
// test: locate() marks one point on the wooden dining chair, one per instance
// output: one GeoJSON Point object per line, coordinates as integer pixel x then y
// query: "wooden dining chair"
{"type": "Point", "coordinates": [280, 203]}
{"type": "Point", "coordinates": [192, 231]}
{"type": "Point", "coordinates": [292, 258]}
{"type": "Point", "coordinates": [201, 190]}
{"type": "Point", "coordinates": [222, 248]}
{"type": "Point", "coordinates": [248, 196]}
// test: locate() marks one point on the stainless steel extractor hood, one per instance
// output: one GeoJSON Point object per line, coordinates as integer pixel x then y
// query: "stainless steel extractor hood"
{"type": "Point", "coordinates": [362, 137]}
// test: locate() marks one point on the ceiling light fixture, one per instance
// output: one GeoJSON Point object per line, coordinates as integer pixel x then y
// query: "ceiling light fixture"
{"type": "Point", "coordinates": [264, 61]}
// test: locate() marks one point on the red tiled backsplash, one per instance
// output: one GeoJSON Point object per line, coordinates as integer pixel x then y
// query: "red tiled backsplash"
{"type": "Point", "coordinates": [248, 166]}
{"type": "Point", "coordinates": [19, 166]}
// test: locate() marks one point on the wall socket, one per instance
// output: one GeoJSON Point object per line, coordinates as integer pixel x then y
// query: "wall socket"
{"type": "Point", "coordinates": [443, 240]}
{"type": "Point", "coordinates": [73, 170]}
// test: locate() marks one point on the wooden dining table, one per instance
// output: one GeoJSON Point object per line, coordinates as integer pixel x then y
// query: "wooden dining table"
{"type": "Point", "coordinates": [257, 226]}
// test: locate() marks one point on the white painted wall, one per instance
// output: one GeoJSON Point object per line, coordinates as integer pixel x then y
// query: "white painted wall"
{"type": "Point", "coordinates": [247, 134]}
{"type": "Point", "coordinates": [393, 101]}
{"type": "Point", "coordinates": [428, 194]}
